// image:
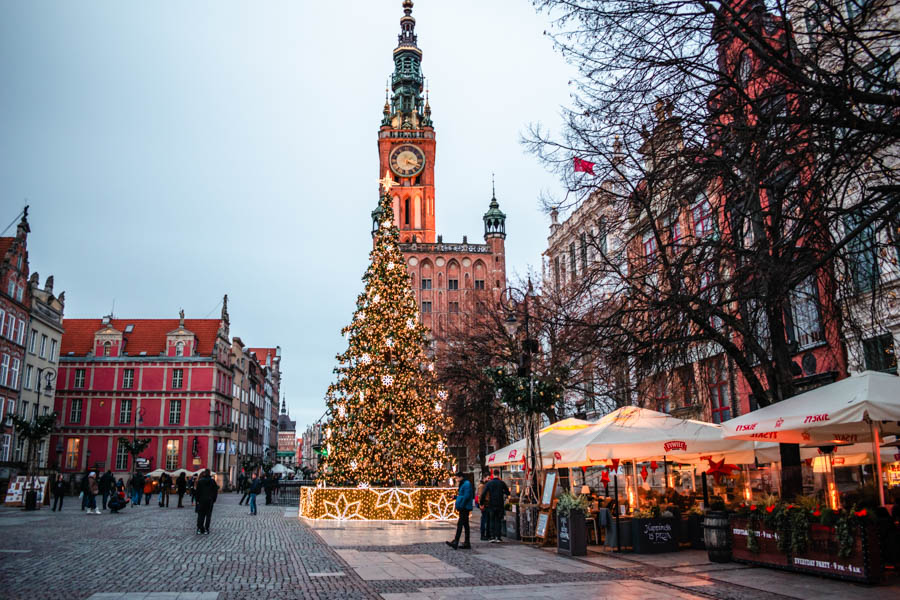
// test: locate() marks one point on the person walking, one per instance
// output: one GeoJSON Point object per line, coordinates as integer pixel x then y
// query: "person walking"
{"type": "Point", "coordinates": [192, 487]}
{"type": "Point", "coordinates": [464, 497]}
{"type": "Point", "coordinates": [137, 488]}
{"type": "Point", "coordinates": [59, 490]}
{"type": "Point", "coordinates": [494, 497]}
{"type": "Point", "coordinates": [85, 491]}
{"type": "Point", "coordinates": [205, 492]}
{"type": "Point", "coordinates": [268, 485]}
{"type": "Point", "coordinates": [165, 483]}
{"type": "Point", "coordinates": [485, 520]}
{"type": "Point", "coordinates": [107, 486]}
{"type": "Point", "coordinates": [254, 490]}
{"type": "Point", "coordinates": [93, 490]}
{"type": "Point", "coordinates": [181, 488]}
{"type": "Point", "coordinates": [245, 489]}
{"type": "Point", "coordinates": [148, 490]}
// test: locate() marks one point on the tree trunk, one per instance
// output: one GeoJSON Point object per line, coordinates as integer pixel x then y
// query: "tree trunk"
{"type": "Point", "coordinates": [781, 383]}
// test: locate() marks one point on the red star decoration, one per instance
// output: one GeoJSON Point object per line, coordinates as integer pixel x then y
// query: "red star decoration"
{"type": "Point", "coordinates": [604, 478]}
{"type": "Point", "coordinates": [718, 468]}
{"type": "Point", "coordinates": [615, 464]}
{"type": "Point", "coordinates": [653, 466]}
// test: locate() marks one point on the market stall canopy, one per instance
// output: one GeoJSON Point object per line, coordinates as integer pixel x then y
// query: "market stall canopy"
{"type": "Point", "coordinates": [281, 469]}
{"type": "Point", "coordinates": [552, 438]}
{"type": "Point", "coordinates": [156, 473]}
{"type": "Point", "coordinates": [634, 433]}
{"type": "Point", "coordinates": [838, 413]}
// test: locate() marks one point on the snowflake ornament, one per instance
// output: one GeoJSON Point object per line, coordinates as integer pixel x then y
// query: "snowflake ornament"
{"type": "Point", "coordinates": [363, 486]}
{"type": "Point", "coordinates": [437, 407]}
{"type": "Point", "coordinates": [437, 465]}
{"type": "Point", "coordinates": [387, 380]}
{"type": "Point", "coordinates": [328, 433]}
{"type": "Point", "coordinates": [389, 342]}
{"type": "Point", "coordinates": [376, 299]}
{"type": "Point", "coordinates": [442, 394]}
{"type": "Point", "coordinates": [390, 266]}
{"type": "Point", "coordinates": [365, 359]}
{"type": "Point", "coordinates": [353, 464]}
{"type": "Point", "coordinates": [431, 366]}
{"type": "Point", "coordinates": [410, 324]}
{"type": "Point", "coordinates": [386, 225]}
{"type": "Point", "coordinates": [360, 316]}
{"type": "Point", "coordinates": [342, 412]}
{"type": "Point", "coordinates": [420, 428]}
{"type": "Point", "coordinates": [440, 446]}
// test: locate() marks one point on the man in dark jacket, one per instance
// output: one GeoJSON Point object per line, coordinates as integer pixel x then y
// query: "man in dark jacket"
{"type": "Point", "coordinates": [268, 486]}
{"type": "Point", "coordinates": [107, 486]}
{"type": "Point", "coordinates": [181, 487]}
{"type": "Point", "coordinates": [254, 490]}
{"type": "Point", "coordinates": [137, 489]}
{"type": "Point", "coordinates": [205, 493]}
{"type": "Point", "coordinates": [494, 497]}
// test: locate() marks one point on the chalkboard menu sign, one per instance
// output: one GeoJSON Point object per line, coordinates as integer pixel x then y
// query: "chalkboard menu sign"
{"type": "Point", "coordinates": [650, 536]}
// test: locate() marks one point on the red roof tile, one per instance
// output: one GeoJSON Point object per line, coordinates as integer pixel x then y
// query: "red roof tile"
{"type": "Point", "coordinates": [148, 335]}
{"type": "Point", "coordinates": [262, 353]}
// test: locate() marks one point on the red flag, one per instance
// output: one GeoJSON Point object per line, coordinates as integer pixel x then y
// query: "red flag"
{"type": "Point", "coordinates": [583, 166]}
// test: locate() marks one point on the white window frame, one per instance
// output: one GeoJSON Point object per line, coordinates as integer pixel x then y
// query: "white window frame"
{"type": "Point", "coordinates": [4, 369]}
{"type": "Point", "coordinates": [54, 345]}
{"type": "Point", "coordinates": [173, 413]}
{"type": "Point", "coordinates": [80, 377]}
{"type": "Point", "coordinates": [128, 379]}
{"type": "Point", "coordinates": [180, 379]}
{"type": "Point", "coordinates": [125, 402]}
{"type": "Point", "coordinates": [29, 371]}
{"type": "Point", "coordinates": [33, 341]}
{"type": "Point", "coordinates": [43, 353]}
{"type": "Point", "coordinates": [4, 447]}
{"type": "Point", "coordinates": [14, 373]}
{"type": "Point", "coordinates": [121, 457]}
{"type": "Point", "coordinates": [79, 404]}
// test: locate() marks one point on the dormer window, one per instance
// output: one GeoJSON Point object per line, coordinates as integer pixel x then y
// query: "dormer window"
{"type": "Point", "coordinates": [107, 348]}
{"type": "Point", "coordinates": [179, 349]}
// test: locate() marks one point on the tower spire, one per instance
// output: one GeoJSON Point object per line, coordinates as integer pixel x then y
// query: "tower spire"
{"type": "Point", "coordinates": [407, 81]}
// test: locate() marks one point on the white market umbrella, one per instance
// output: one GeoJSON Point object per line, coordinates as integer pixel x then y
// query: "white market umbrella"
{"type": "Point", "coordinates": [281, 469]}
{"type": "Point", "coordinates": [856, 409]}
{"type": "Point", "coordinates": [634, 433]}
{"type": "Point", "coordinates": [553, 440]}
{"type": "Point", "coordinates": [155, 473]}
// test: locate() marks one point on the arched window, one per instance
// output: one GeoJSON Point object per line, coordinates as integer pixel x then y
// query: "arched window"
{"type": "Point", "coordinates": [107, 348]}
{"type": "Point", "coordinates": [179, 349]}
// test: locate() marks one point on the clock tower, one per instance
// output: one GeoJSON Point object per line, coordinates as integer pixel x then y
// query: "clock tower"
{"type": "Point", "coordinates": [406, 144]}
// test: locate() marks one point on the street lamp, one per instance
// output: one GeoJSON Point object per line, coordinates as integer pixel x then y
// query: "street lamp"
{"type": "Point", "coordinates": [513, 301]}
{"type": "Point", "coordinates": [49, 378]}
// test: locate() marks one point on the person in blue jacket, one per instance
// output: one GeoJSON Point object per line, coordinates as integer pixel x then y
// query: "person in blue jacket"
{"type": "Point", "coordinates": [464, 497]}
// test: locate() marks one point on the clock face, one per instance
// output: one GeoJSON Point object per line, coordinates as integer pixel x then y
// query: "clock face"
{"type": "Point", "coordinates": [407, 160]}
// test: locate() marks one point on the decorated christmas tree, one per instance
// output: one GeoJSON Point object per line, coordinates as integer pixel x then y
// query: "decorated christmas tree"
{"type": "Point", "coordinates": [387, 419]}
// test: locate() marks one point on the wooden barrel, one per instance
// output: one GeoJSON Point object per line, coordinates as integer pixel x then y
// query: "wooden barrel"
{"type": "Point", "coordinates": [717, 536]}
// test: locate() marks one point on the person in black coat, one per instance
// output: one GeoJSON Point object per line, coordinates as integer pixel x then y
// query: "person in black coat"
{"type": "Point", "coordinates": [107, 485]}
{"type": "Point", "coordinates": [268, 486]}
{"type": "Point", "coordinates": [206, 491]}
{"type": "Point", "coordinates": [59, 490]}
{"type": "Point", "coordinates": [494, 497]}
{"type": "Point", "coordinates": [181, 487]}
{"type": "Point", "coordinates": [165, 482]}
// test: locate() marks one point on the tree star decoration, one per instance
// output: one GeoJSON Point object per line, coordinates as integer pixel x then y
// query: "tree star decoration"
{"type": "Point", "coordinates": [718, 468]}
{"type": "Point", "coordinates": [387, 182]}
{"type": "Point", "coordinates": [395, 498]}
{"type": "Point", "coordinates": [420, 428]}
{"type": "Point", "coordinates": [387, 380]}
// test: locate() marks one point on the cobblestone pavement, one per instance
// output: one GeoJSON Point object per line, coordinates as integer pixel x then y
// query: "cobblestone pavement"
{"type": "Point", "coordinates": [149, 553]}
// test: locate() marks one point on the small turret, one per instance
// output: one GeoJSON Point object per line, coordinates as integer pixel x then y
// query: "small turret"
{"type": "Point", "coordinates": [494, 218]}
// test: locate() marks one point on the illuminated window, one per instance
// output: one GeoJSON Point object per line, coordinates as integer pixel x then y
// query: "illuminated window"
{"type": "Point", "coordinates": [172, 451]}
{"type": "Point", "coordinates": [73, 450]}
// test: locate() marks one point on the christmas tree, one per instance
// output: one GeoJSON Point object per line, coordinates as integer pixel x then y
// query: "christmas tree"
{"type": "Point", "coordinates": [386, 414]}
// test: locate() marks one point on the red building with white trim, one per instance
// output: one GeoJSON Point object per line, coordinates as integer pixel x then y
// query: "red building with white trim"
{"type": "Point", "coordinates": [169, 380]}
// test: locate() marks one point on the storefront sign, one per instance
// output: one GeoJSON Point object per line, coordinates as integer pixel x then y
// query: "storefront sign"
{"type": "Point", "coordinates": [142, 463]}
{"type": "Point", "coordinates": [654, 535]}
{"type": "Point", "coordinates": [220, 447]}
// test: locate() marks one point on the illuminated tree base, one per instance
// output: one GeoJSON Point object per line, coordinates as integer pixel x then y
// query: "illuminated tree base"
{"type": "Point", "coordinates": [378, 504]}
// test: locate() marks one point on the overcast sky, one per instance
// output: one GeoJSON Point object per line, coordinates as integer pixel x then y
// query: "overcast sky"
{"type": "Point", "coordinates": [174, 151]}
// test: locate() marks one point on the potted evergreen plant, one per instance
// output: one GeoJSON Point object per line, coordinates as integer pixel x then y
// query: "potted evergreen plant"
{"type": "Point", "coordinates": [570, 524]}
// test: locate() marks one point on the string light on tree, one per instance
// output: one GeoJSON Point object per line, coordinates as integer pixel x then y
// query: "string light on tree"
{"type": "Point", "coordinates": [382, 404]}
